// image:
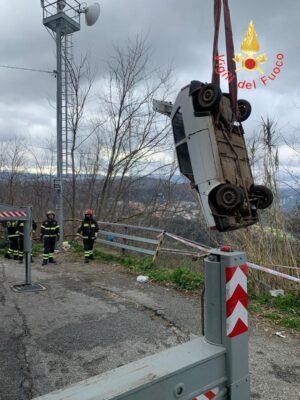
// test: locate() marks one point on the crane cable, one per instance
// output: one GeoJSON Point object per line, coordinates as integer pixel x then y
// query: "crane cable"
{"type": "Point", "coordinates": [231, 65]}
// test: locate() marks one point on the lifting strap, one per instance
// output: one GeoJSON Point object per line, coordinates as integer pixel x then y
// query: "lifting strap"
{"type": "Point", "coordinates": [232, 82]}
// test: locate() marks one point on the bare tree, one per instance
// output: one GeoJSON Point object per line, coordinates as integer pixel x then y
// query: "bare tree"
{"type": "Point", "coordinates": [39, 190]}
{"type": "Point", "coordinates": [13, 160]}
{"type": "Point", "coordinates": [132, 135]}
{"type": "Point", "coordinates": [81, 82]}
{"type": "Point", "coordinates": [293, 144]}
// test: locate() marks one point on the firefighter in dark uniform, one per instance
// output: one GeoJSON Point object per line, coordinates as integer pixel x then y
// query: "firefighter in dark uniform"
{"type": "Point", "coordinates": [13, 236]}
{"type": "Point", "coordinates": [88, 231]}
{"type": "Point", "coordinates": [21, 238]}
{"type": "Point", "coordinates": [49, 235]}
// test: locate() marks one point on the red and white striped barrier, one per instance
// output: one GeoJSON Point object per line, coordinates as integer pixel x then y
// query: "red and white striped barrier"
{"type": "Point", "coordinates": [250, 265]}
{"type": "Point", "coordinates": [13, 214]}
{"type": "Point", "coordinates": [211, 394]}
{"type": "Point", "coordinates": [236, 300]}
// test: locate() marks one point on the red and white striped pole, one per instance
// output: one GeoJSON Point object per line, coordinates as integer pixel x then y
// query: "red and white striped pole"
{"type": "Point", "coordinates": [226, 318]}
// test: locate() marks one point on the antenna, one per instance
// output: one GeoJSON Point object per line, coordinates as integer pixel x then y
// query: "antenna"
{"type": "Point", "coordinates": [92, 13]}
{"type": "Point", "coordinates": [61, 4]}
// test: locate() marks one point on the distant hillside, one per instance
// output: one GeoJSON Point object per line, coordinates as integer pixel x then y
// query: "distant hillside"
{"type": "Point", "coordinates": [178, 189]}
{"type": "Point", "coordinates": [290, 198]}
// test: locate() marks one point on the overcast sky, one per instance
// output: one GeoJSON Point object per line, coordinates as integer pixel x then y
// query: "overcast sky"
{"type": "Point", "coordinates": [179, 32]}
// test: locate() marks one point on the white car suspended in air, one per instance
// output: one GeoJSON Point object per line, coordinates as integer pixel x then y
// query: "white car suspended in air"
{"type": "Point", "coordinates": [212, 154]}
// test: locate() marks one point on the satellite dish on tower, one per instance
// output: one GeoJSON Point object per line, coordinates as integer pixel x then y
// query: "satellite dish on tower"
{"type": "Point", "coordinates": [92, 13]}
{"type": "Point", "coordinates": [61, 4]}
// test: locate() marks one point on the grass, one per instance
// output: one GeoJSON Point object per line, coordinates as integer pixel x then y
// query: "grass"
{"type": "Point", "coordinates": [180, 277]}
{"type": "Point", "coordinates": [37, 248]}
{"type": "Point", "coordinates": [283, 310]}
{"type": "Point", "coordinates": [291, 323]}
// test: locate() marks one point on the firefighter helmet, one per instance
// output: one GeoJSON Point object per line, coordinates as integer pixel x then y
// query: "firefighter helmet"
{"type": "Point", "coordinates": [50, 213]}
{"type": "Point", "coordinates": [88, 212]}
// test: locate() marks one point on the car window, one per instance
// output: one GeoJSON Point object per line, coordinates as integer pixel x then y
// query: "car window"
{"type": "Point", "coordinates": [184, 161]}
{"type": "Point", "coordinates": [178, 126]}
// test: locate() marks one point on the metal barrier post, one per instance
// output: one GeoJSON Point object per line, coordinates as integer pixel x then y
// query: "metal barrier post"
{"type": "Point", "coordinates": [27, 247]}
{"type": "Point", "coordinates": [28, 286]}
{"type": "Point", "coordinates": [211, 367]}
{"type": "Point", "coordinates": [226, 315]}
{"type": "Point", "coordinates": [159, 245]}
{"type": "Point", "coordinates": [124, 240]}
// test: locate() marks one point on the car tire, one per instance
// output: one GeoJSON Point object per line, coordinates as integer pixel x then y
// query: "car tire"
{"type": "Point", "coordinates": [209, 96]}
{"type": "Point", "coordinates": [228, 197]}
{"type": "Point", "coordinates": [264, 196]}
{"type": "Point", "coordinates": [244, 110]}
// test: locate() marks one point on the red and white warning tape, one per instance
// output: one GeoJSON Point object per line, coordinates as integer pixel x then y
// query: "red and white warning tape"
{"type": "Point", "coordinates": [190, 243]}
{"type": "Point", "coordinates": [273, 272]}
{"type": "Point", "coordinates": [249, 264]}
{"type": "Point", "coordinates": [13, 214]}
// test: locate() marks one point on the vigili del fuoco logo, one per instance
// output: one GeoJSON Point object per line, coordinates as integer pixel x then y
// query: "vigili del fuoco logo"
{"type": "Point", "coordinates": [251, 60]}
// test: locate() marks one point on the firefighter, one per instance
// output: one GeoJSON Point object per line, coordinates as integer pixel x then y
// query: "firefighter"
{"type": "Point", "coordinates": [21, 239]}
{"type": "Point", "coordinates": [12, 234]}
{"type": "Point", "coordinates": [88, 231]}
{"type": "Point", "coordinates": [49, 235]}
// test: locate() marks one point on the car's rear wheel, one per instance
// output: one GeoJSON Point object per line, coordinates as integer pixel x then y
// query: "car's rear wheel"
{"type": "Point", "coordinates": [244, 110]}
{"type": "Point", "coordinates": [228, 197]}
{"type": "Point", "coordinates": [209, 96]}
{"type": "Point", "coordinates": [264, 196]}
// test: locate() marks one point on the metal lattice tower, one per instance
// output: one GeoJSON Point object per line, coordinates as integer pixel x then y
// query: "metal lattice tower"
{"type": "Point", "coordinates": [67, 102]}
{"type": "Point", "coordinates": [62, 19]}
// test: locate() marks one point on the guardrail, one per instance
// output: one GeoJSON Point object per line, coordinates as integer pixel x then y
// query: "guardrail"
{"type": "Point", "coordinates": [120, 236]}
{"type": "Point", "coordinates": [156, 246]}
{"type": "Point", "coordinates": [138, 242]}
